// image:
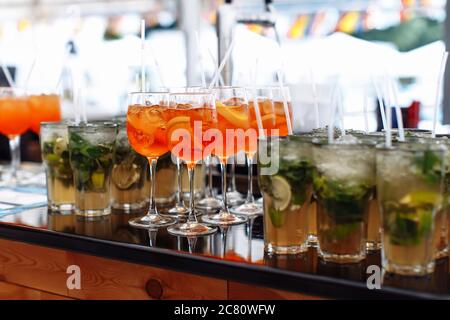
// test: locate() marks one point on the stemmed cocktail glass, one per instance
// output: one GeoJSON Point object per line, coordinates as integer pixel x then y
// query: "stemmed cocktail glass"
{"type": "Point", "coordinates": [146, 132]}
{"type": "Point", "coordinates": [14, 121]}
{"type": "Point", "coordinates": [233, 121]}
{"type": "Point", "coordinates": [188, 116]}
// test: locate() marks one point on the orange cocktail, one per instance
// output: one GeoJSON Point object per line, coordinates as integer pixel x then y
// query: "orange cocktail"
{"type": "Point", "coordinates": [186, 126]}
{"type": "Point", "coordinates": [272, 116]}
{"type": "Point", "coordinates": [146, 129]}
{"type": "Point", "coordinates": [14, 116]}
{"type": "Point", "coordinates": [189, 118]}
{"type": "Point", "coordinates": [233, 116]}
{"type": "Point", "coordinates": [44, 108]}
{"type": "Point", "coordinates": [233, 123]}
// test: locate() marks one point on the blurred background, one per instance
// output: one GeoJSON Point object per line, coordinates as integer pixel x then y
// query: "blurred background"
{"type": "Point", "coordinates": [314, 43]}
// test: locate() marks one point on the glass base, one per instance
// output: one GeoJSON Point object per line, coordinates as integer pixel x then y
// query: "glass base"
{"type": "Point", "coordinates": [129, 206]}
{"type": "Point", "coordinates": [441, 253]}
{"type": "Point", "coordinates": [409, 270]}
{"type": "Point", "coordinates": [177, 212]}
{"type": "Point", "coordinates": [373, 246]}
{"type": "Point", "coordinates": [248, 209]}
{"type": "Point", "coordinates": [92, 212]}
{"type": "Point", "coordinates": [209, 204]}
{"type": "Point", "coordinates": [151, 221]}
{"type": "Point", "coordinates": [234, 198]}
{"type": "Point", "coordinates": [61, 208]}
{"type": "Point", "coordinates": [259, 201]}
{"type": "Point", "coordinates": [191, 229]}
{"type": "Point", "coordinates": [313, 241]}
{"type": "Point", "coordinates": [271, 248]}
{"type": "Point", "coordinates": [224, 219]}
{"type": "Point", "coordinates": [341, 258]}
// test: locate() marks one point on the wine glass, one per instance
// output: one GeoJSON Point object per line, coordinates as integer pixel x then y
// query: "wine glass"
{"type": "Point", "coordinates": [14, 120]}
{"type": "Point", "coordinates": [146, 133]}
{"type": "Point", "coordinates": [233, 121]}
{"type": "Point", "coordinates": [188, 116]}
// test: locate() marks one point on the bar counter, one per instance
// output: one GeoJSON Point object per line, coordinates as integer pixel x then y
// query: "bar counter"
{"type": "Point", "coordinates": [117, 262]}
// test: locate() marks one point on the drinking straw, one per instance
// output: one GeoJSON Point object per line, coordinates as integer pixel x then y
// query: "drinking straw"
{"type": "Point", "coordinates": [76, 108]}
{"type": "Point", "coordinates": [82, 106]}
{"type": "Point", "coordinates": [285, 103]}
{"type": "Point", "coordinates": [222, 63]}
{"type": "Point", "coordinates": [27, 80]}
{"type": "Point", "coordinates": [314, 92]}
{"type": "Point", "coordinates": [388, 110]}
{"type": "Point", "coordinates": [380, 103]}
{"type": "Point", "coordinates": [7, 74]}
{"type": "Point", "coordinates": [158, 66]}
{"type": "Point", "coordinates": [333, 112]}
{"type": "Point", "coordinates": [366, 116]}
{"type": "Point", "coordinates": [200, 56]}
{"type": "Point", "coordinates": [341, 110]}
{"type": "Point", "coordinates": [142, 55]}
{"type": "Point", "coordinates": [438, 90]}
{"type": "Point", "coordinates": [221, 82]}
{"type": "Point", "coordinates": [398, 112]}
{"type": "Point", "coordinates": [255, 100]}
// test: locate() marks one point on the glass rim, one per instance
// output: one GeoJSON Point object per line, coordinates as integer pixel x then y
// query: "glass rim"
{"type": "Point", "coordinates": [62, 123]}
{"type": "Point", "coordinates": [148, 92]}
{"type": "Point", "coordinates": [93, 125]}
{"type": "Point", "coordinates": [323, 143]}
{"type": "Point", "coordinates": [411, 147]}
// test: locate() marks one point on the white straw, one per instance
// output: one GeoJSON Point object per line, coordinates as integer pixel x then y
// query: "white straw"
{"type": "Point", "coordinates": [341, 111]}
{"type": "Point", "coordinates": [285, 102]}
{"type": "Point", "coordinates": [222, 63]}
{"type": "Point", "coordinates": [366, 116]}
{"type": "Point", "coordinates": [438, 90]}
{"type": "Point", "coordinates": [76, 107]}
{"type": "Point", "coordinates": [82, 106]}
{"type": "Point", "coordinates": [380, 103]}
{"type": "Point", "coordinates": [316, 100]}
{"type": "Point", "coordinates": [200, 57]}
{"type": "Point", "coordinates": [398, 111]}
{"type": "Point", "coordinates": [332, 113]}
{"type": "Point", "coordinates": [158, 66]}
{"type": "Point", "coordinates": [27, 80]}
{"type": "Point", "coordinates": [143, 55]}
{"type": "Point", "coordinates": [7, 74]}
{"type": "Point", "coordinates": [255, 100]}
{"type": "Point", "coordinates": [211, 55]}
{"type": "Point", "coordinates": [388, 110]}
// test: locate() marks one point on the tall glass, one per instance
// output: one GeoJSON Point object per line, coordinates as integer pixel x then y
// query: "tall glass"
{"type": "Point", "coordinates": [188, 117]}
{"type": "Point", "coordinates": [129, 187]}
{"type": "Point", "coordinates": [55, 156]}
{"type": "Point", "coordinates": [14, 121]}
{"type": "Point", "coordinates": [91, 151]}
{"type": "Point", "coordinates": [344, 182]}
{"type": "Point", "coordinates": [146, 128]}
{"type": "Point", "coordinates": [232, 125]}
{"type": "Point", "coordinates": [285, 178]}
{"type": "Point", "coordinates": [409, 186]}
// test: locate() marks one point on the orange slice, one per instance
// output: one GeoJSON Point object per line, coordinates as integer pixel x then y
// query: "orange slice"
{"type": "Point", "coordinates": [268, 121]}
{"type": "Point", "coordinates": [234, 115]}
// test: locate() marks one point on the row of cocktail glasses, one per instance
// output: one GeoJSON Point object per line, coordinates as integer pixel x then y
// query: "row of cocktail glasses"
{"type": "Point", "coordinates": [359, 196]}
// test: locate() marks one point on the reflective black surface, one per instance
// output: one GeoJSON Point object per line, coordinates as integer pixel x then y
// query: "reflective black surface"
{"type": "Point", "coordinates": [336, 280]}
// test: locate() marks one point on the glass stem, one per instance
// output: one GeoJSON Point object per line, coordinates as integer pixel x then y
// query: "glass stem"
{"type": "Point", "coordinates": [180, 187]}
{"type": "Point", "coordinates": [192, 217]}
{"type": "Point", "coordinates": [223, 170]}
{"type": "Point", "coordinates": [14, 147]}
{"type": "Point", "coordinates": [152, 236]}
{"type": "Point", "coordinates": [250, 198]}
{"type": "Point", "coordinates": [251, 220]}
{"type": "Point", "coordinates": [223, 234]}
{"type": "Point", "coordinates": [152, 205]}
{"type": "Point", "coordinates": [210, 177]}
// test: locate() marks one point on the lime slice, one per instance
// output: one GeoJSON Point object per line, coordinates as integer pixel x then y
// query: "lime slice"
{"type": "Point", "coordinates": [281, 191]}
{"type": "Point", "coordinates": [421, 197]}
{"type": "Point", "coordinates": [98, 179]}
{"type": "Point", "coordinates": [60, 146]}
{"type": "Point", "coordinates": [124, 175]}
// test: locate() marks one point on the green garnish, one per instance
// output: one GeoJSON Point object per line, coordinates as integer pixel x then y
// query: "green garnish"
{"type": "Point", "coordinates": [429, 166]}
{"type": "Point", "coordinates": [276, 217]}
